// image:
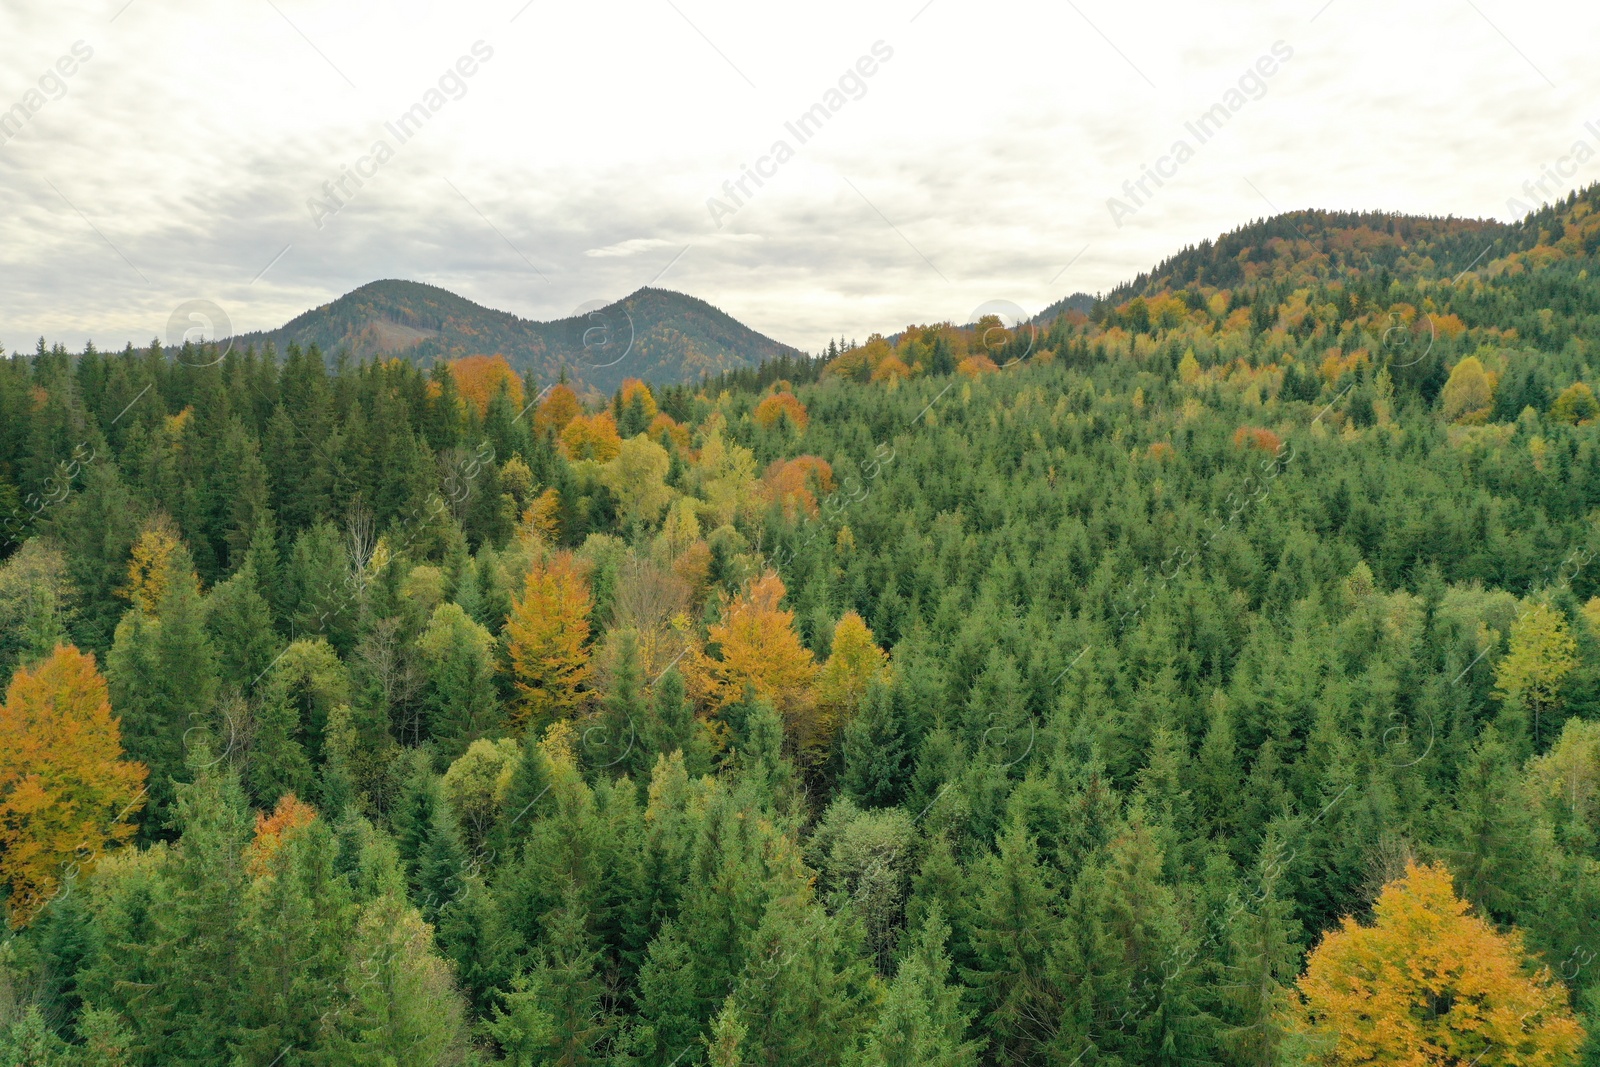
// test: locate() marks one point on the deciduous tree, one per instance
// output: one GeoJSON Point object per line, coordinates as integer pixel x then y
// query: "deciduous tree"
{"type": "Point", "coordinates": [1429, 983]}
{"type": "Point", "coordinates": [548, 634]}
{"type": "Point", "coordinates": [66, 793]}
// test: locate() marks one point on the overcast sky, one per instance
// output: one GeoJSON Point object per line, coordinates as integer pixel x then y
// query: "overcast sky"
{"type": "Point", "coordinates": [181, 159]}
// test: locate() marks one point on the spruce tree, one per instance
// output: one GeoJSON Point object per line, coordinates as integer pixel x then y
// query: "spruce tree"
{"type": "Point", "coordinates": [1015, 923]}
{"type": "Point", "coordinates": [239, 622]}
{"type": "Point", "coordinates": [921, 1022]}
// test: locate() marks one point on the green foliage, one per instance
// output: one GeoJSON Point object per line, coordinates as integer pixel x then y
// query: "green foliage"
{"type": "Point", "coordinates": [460, 698]}
{"type": "Point", "coordinates": [1244, 586]}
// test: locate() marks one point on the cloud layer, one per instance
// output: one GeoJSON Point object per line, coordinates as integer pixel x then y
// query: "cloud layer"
{"type": "Point", "coordinates": [187, 156]}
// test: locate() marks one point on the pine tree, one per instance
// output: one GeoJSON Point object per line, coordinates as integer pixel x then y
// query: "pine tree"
{"type": "Point", "coordinates": [1015, 920]}
{"type": "Point", "coordinates": [441, 863]}
{"type": "Point", "coordinates": [277, 762]}
{"type": "Point", "coordinates": [472, 933]}
{"type": "Point", "coordinates": [458, 657]}
{"type": "Point", "coordinates": [263, 558]}
{"type": "Point", "coordinates": [878, 760]}
{"type": "Point", "coordinates": [297, 933]}
{"type": "Point", "coordinates": [564, 988]}
{"type": "Point", "coordinates": [1256, 985]}
{"type": "Point", "coordinates": [669, 1009]}
{"type": "Point", "coordinates": [672, 727]}
{"type": "Point", "coordinates": [616, 744]}
{"type": "Point", "coordinates": [239, 622]}
{"type": "Point", "coordinates": [163, 676]}
{"type": "Point", "coordinates": [527, 797]}
{"type": "Point", "coordinates": [802, 995]}
{"type": "Point", "coordinates": [921, 1022]}
{"type": "Point", "coordinates": [171, 955]}
{"type": "Point", "coordinates": [402, 1009]}
{"type": "Point", "coordinates": [413, 814]}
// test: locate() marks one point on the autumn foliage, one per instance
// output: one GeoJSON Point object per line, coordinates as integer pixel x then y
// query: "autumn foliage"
{"type": "Point", "coordinates": [1468, 396]}
{"type": "Point", "coordinates": [592, 437]}
{"type": "Point", "coordinates": [148, 566]}
{"type": "Point", "coordinates": [548, 633]}
{"type": "Point", "coordinates": [795, 484]}
{"type": "Point", "coordinates": [669, 432]}
{"type": "Point", "coordinates": [759, 647]}
{"type": "Point", "coordinates": [891, 367]}
{"type": "Point", "coordinates": [854, 663]}
{"type": "Point", "coordinates": [65, 791]}
{"type": "Point", "coordinates": [276, 830]}
{"type": "Point", "coordinates": [973, 366]}
{"type": "Point", "coordinates": [1429, 983]}
{"type": "Point", "coordinates": [780, 406]}
{"type": "Point", "coordinates": [557, 409]}
{"type": "Point", "coordinates": [633, 390]}
{"type": "Point", "coordinates": [478, 378]}
{"type": "Point", "coordinates": [1257, 438]}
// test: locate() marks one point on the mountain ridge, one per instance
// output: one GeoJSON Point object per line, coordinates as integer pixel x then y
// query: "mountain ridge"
{"type": "Point", "coordinates": [656, 334]}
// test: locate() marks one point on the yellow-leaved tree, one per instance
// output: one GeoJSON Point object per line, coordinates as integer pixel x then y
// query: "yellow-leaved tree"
{"type": "Point", "coordinates": [1429, 985]}
{"type": "Point", "coordinates": [149, 564]}
{"type": "Point", "coordinates": [854, 663]}
{"type": "Point", "coordinates": [1575, 404]}
{"type": "Point", "coordinates": [1542, 653]}
{"type": "Point", "coordinates": [66, 793]}
{"type": "Point", "coordinates": [548, 635]}
{"type": "Point", "coordinates": [1468, 396]}
{"type": "Point", "coordinates": [637, 476]}
{"type": "Point", "coordinates": [591, 437]}
{"type": "Point", "coordinates": [759, 648]}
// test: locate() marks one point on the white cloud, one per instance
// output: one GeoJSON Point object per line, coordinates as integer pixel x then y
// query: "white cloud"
{"type": "Point", "coordinates": [628, 248]}
{"type": "Point", "coordinates": [577, 164]}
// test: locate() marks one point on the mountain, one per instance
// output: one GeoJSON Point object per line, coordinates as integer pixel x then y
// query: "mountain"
{"type": "Point", "coordinates": [655, 334]}
{"type": "Point", "coordinates": [1306, 246]}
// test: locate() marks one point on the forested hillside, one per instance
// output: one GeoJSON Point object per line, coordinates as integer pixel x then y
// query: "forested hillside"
{"type": "Point", "coordinates": [654, 333]}
{"type": "Point", "coordinates": [1211, 677]}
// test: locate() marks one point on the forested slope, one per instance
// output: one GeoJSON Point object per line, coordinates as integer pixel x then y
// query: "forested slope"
{"type": "Point", "coordinates": [1211, 677]}
{"type": "Point", "coordinates": [654, 333]}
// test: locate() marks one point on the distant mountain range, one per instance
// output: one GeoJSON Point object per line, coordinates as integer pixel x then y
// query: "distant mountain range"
{"type": "Point", "coordinates": [654, 334]}
{"type": "Point", "coordinates": [669, 337]}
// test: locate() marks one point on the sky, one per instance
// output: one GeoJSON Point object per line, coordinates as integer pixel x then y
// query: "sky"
{"type": "Point", "coordinates": [162, 155]}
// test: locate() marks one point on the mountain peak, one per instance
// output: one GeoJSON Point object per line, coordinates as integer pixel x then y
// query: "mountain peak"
{"type": "Point", "coordinates": [657, 334]}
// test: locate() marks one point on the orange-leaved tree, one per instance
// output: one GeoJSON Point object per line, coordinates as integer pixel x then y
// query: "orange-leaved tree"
{"type": "Point", "coordinates": [557, 409]}
{"type": "Point", "coordinates": [548, 635]}
{"type": "Point", "coordinates": [1431, 984]}
{"type": "Point", "coordinates": [780, 407]}
{"type": "Point", "coordinates": [759, 647]}
{"type": "Point", "coordinates": [66, 793]}
{"type": "Point", "coordinates": [794, 484]}
{"type": "Point", "coordinates": [478, 378]}
{"type": "Point", "coordinates": [276, 830]}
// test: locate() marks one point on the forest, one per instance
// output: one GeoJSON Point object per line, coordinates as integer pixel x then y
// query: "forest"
{"type": "Point", "coordinates": [1211, 677]}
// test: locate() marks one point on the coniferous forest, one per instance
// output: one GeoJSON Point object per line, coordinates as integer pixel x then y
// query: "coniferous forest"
{"type": "Point", "coordinates": [1212, 677]}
